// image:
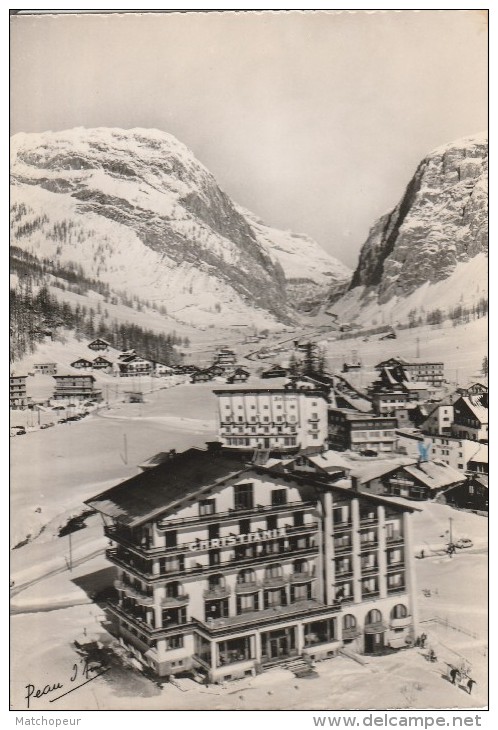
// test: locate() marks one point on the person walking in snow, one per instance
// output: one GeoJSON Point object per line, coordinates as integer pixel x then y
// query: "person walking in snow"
{"type": "Point", "coordinates": [470, 684]}
{"type": "Point", "coordinates": [453, 674]}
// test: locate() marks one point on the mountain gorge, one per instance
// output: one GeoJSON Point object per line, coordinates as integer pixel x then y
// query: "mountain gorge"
{"type": "Point", "coordinates": [136, 210]}
{"type": "Point", "coordinates": [437, 232]}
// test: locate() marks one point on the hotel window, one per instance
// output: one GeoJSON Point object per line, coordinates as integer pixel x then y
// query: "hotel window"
{"type": "Point", "coordinates": [275, 598]}
{"type": "Point", "coordinates": [171, 538]}
{"type": "Point", "coordinates": [213, 531]}
{"type": "Point", "coordinates": [243, 496]}
{"type": "Point", "coordinates": [248, 603]}
{"type": "Point", "coordinates": [300, 592]}
{"type": "Point", "coordinates": [214, 557]}
{"type": "Point", "coordinates": [278, 496]}
{"type": "Point", "coordinates": [349, 621]}
{"type": "Point", "coordinates": [271, 522]}
{"type": "Point", "coordinates": [244, 527]}
{"type": "Point", "coordinates": [206, 507]}
{"type": "Point", "coordinates": [298, 519]}
{"type": "Point", "coordinates": [273, 571]}
{"type": "Point", "coordinates": [395, 581]}
{"type": "Point", "coordinates": [246, 576]}
{"type": "Point", "coordinates": [399, 611]}
{"type": "Point", "coordinates": [173, 590]}
{"type": "Point", "coordinates": [175, 642]}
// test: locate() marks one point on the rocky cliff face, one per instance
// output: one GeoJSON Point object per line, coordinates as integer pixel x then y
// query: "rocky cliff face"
{"type": "Point", "coordinates": [440, 222]}
{"type": "Point", "coordinates": [136, 210]}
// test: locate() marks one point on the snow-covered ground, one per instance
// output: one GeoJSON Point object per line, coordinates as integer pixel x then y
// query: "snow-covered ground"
{"type": "Point", "coordinates": [453, 617]}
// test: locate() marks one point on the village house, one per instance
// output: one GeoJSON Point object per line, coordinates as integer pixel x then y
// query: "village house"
{"type": "Point", "coordinates": [360, 432]}
{"type": "Point", "coordinates": [45, 368]}
{"type": "Point", "coordinates": [473, 494]}
{"type": "Point", "coordinates": [102, 363]}
{"type": "Point", "coordinates": [82, 364]}
{"type": "Point", "coordinates": [99, 345]}
{"type": "Point", "coordinates": [18, 397]}
{"type": "Point", "coordinates": [276, 371]}
{"type": "Point", "coordinates": [275, 419]}
{"type": "Point", "coordinates": [201, 376]}
{"type": "Point", "coordinates": [130, 366]}
{"type": "Point", "coordinates": [223, 570]}
{"type": "Point", "coordinates": [240, 375]}
{"type": "Point", "coordinates": [470, 419]}
{"type": "Point", "coordinates": [416, 480]}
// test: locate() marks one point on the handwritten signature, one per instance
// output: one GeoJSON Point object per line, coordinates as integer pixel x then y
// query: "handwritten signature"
{"type": "Point", "coordinates": [82, 671]}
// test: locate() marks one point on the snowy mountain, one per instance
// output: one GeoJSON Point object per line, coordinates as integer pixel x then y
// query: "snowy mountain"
{"type": "Point", "coordinates": [136, 210]}
{"type": "Point", "coordinates": [437, 232]}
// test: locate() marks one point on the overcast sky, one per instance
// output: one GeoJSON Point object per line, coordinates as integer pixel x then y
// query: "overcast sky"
{"type": "Point", "coordinates": [315, 121]}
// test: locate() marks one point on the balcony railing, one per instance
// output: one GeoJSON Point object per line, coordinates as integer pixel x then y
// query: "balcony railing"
{"type": "Point", "coordinates": [277, 581]}
{"type": "Point", "coordinates": [217, 592]}
{"type": "Point", "coordinates": [396, 589]}
{"type": "Point", "coordinates": [250, 587]}
{"type": "Point", "coordinates": [398, 538]}
{"type": "Point", "coordinates": [303, 577]}
{"type": "Point", "coordinates": [368, 520]}
{"type": "Point", "coordinates": [199, 569]}
{"type": "Point", "coordinates": [173, 601]}
{"type": "Point", "coordinates": [366, 595]}
{"type": "Point", "coordinates": [369, 545]}
{"type": "Point", "coordinates": [146, 628]}
{"type": "Point", "coordinates": [340, 526]}
{"type": "Point", "coordinates": [351, 633]}
{"type": "Point", "coordinates": [342, 549]}
{"type": "Point", "coordinates": [236, 514]}
{"type": "Point", "coordinates": [369, 569]}
{"type": "Point", "coordinates": [343, 574]}
{"type": "Point", "coordinates": [132, 592]}
{"type": "Point", "coordinates": [399, 565]}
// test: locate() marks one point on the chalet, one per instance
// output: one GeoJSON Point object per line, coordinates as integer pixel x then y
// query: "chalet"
{"type": "Point", "coordinates": [224, 570]}
{"type": "Point", "coordinates": [472, 494]}
{"type": "Point", "coordinates": [478, 462]}
{"type": "Point", "coordinates": [361, 431]}
{"type": "Point", "coordinates": [82, 364]}
{"type": "Point", "coordinates": [474, 389]}
{"type": "Point", "coordinates": [99, 345]}
{"type": "Point", "coordinates": [45, 368]}
{"type": "Point", "coordinates": [415, 370]}
{"type": "Point", "coordinates": [216, 371]}
{"type": "Point", "coordinates": [18, 398]}
{"type": "Point", "coordinates": [240, 375]}
{"type": "Point", "coordinates": [470, 417]}
{"type": "Point", "coordinates": [388, 394]}
{"type": "Point", "coordinates": [101, 363]}
{"type": "Point", "coordinates": [415, 480]}
{"type": "Point", "coordinates": [276, 371]}
{"type": "Point", "coordinates": [134, 366]}
{"type": "Point", "coordinates": [201, 376]}
{"type": "Point", "coordinates": [160, 368]}
{"type": "Point", "coordinates": [78, 387]}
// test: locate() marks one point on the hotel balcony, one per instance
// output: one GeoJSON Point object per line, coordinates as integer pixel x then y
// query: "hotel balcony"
{"type": "Point", "coordinates": [392, 590]}
{"type": "Point", "coordinates": [174, 601]}
{"type": "Point", "coordinates": [369, 570]}
{"type": "Point", "coordinates": [343, 574]}
{"type": "Point", "coordinates": [267, 617]}
{"type": "Point", "coordinates": [216, 592]}
{"type": "Point", "coordinates": [249, 587]}
{"type": "Point", "coordinates": [200, 569]}
{"type": "Point", "coordinates": [395, 539]}
{"type": "Point", "coordinates": [130, 591]}
{"type": "Point", "coordinates": [236, 514]}
{"type": "Point", "coordinates": [400, 623]}
{"type": "Point", "coordinates": [369, 520]}
{"type": "Point", "coordinates": [367, 595]}
{"type": "Point", "coordinates": [370, 545]}
{"type": "Point", "coordinates": [279, 581]}
{"type": "Point", "coordinates": [341, 526]}
{"type": "Point", "coordinates": [144, 627]}
{"type": "Point", "coordinates": [400, 565]}
{"type": "Point", "coordinates": [300, 577]}
{"type": "Point", "coordinates": [343, 549]}
{"type": "Point", "coordinates": [351, 633]}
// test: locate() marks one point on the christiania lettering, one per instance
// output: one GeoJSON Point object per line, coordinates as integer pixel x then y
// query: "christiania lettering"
{"type": "Point", "coordinates": [219, 542]}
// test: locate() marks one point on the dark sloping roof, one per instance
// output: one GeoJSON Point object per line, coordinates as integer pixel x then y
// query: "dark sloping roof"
{"type": "Point", "coordinates": [151, 493]}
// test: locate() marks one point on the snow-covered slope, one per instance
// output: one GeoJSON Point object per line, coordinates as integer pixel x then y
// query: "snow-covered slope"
{"type": "Point", "coordinates": [136, 210]}
{"type": "Point", "coordinates": [438, 230]}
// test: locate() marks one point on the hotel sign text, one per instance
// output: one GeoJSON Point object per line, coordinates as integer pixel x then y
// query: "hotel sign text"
{"type": "Point", "coordinates": [244, 539]}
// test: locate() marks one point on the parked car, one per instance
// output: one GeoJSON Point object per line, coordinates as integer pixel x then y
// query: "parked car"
{"type": "Point", "coordinates": [464, 542]}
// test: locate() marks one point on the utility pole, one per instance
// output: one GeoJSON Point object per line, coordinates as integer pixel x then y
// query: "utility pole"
{"type": "Point", "coordinates": [418, 346]}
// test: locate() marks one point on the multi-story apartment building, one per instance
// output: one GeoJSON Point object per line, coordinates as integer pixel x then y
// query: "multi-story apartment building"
{"type": "Point", "coordinates": [75, 387]}
{"type": "Point", "coordinates": [455, 452]}
{"type": "Point", "coordinates": [226, 568]}
{"type": "Point", "coordinates": [45, 368]}
{"type": "Point", "coordinates": [18, 392]}
{"type": "Point", "coordinates": [276, 419]}
{"type": "Point", "coordinates": [361, 431]}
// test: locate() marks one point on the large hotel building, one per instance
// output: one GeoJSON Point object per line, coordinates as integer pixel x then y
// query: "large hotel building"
{"type": "Point", "coordinates": [225, 567]}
